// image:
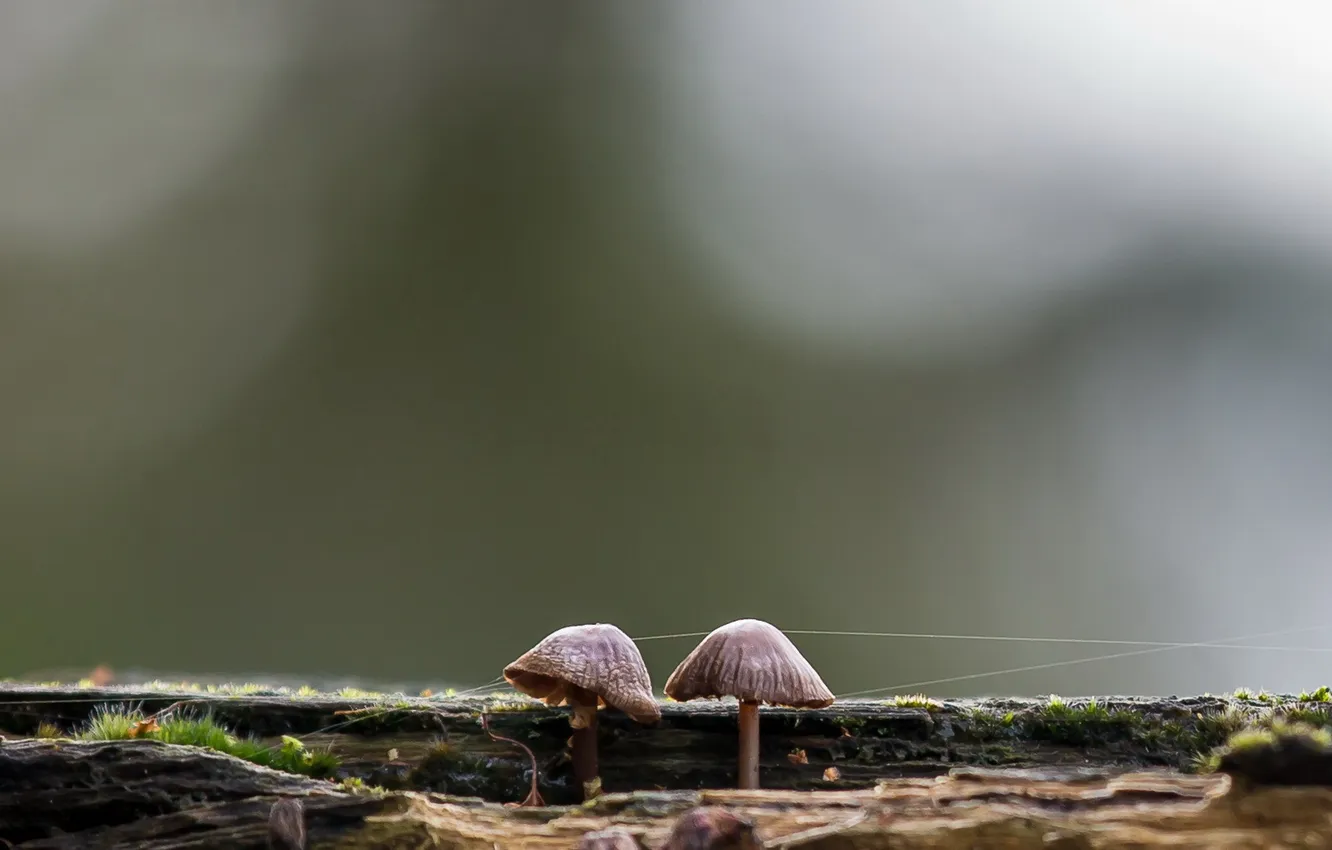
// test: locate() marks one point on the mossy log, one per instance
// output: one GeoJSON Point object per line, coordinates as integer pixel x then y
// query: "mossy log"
{"type": "Point", "coordinates": [431, 744]}
{"type": "Point", "coordinates": [153, 796]}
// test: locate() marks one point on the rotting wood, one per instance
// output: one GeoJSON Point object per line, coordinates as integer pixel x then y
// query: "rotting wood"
{"type": "Point", "coordinates": [204, 800]}
{"type": "Point", "coordinates": [695, 744]}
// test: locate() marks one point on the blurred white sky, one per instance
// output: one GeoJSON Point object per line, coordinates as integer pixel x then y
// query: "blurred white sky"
{"type": "Point", "coordinates": [927, 178]}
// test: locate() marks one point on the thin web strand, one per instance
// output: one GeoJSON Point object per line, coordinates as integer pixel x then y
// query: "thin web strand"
{"type": "Point", "coordinates": [1005, 638]}
{"type": "Point", "coordinates": [1220, 643]}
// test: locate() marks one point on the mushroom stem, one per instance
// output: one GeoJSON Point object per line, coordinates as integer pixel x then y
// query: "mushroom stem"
{"type": "Point", "coordinates": [584, 723]}
{"type": "Point", "coordinates": [749, 745]}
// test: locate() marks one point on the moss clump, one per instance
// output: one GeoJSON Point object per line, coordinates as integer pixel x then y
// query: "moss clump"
{"type": "Point", "coordinates": [1280, 754]}
{"type": "Point", "coordinates": [118, 723]}
{"type": "Point", "coordinates": [1211, 729]}
{"type": "Point", "coordinates": [357, 785]}
{"type": "Point", "coordinates": [982, 725]}
{"type": "Point", "coordinates": [1323, 694]}
{"type": "Point", "coordinates": [1081, 724]}
{"type": "Point", "coordinates": [512, 701]}
{"type": "Point", "coordinates": [111, 723]}
{"type": "Point", "coordinates": [915, 701]}
{"type": "Point", "coordinates": [358, 693]}
{"type": "Point", "coordinates": [48, 730]}
{"type": "Point", "coordinates": [1317, 717]}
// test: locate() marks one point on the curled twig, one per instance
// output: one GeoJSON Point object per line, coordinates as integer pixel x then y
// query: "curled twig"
{"type": "Point", "coordinates": [534, 796]}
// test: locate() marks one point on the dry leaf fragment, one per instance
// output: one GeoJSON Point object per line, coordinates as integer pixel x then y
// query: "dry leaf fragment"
{"type": "Point", "coordinates": [832, 774]}
{"type": "Point", "coordinates": [846, 733]}
{"type": "Point", "coordinates": [427, 692]}
{"type": "Point", "coordinates": [797, 757]}
{"type": "Point", "coordinates": [393, 754]}
{"type": "Point", "coordinates": [143, 727]}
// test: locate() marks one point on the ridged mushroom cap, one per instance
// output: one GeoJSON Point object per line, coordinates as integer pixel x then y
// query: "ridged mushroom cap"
{"type": "Point", "coordinates": [597, 657]}
{"type": "Point", "coordinates": [752, 661]}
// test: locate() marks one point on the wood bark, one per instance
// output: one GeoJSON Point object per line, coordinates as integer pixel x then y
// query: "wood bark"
{"type": "Point", "coordinates": [440, 745]}
{"type": "Point", "coordinates": [153, 796]}
{"type": "Point", "coordinates": [874, 775]}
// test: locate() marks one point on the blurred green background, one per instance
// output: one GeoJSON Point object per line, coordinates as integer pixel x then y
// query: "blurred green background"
{"type": "Point", "coordinates": [372, 342]}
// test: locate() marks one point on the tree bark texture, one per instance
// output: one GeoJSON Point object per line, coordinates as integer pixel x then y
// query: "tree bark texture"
{"type": "Point", "coordinates": [429, 744]}
{"type": "Point", "coordinates": [153, 796]}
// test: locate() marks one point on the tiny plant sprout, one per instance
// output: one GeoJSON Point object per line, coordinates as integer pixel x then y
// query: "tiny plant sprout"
{"type": "Point", "coordinates": [754, 662]}
{"type": "Point", "coordinates": [586, 667]}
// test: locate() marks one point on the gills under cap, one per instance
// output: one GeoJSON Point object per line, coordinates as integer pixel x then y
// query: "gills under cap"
{"type": "Point", "coordinates": [598, 658]}
{"type": "Point", "coordinates": [752, 661]}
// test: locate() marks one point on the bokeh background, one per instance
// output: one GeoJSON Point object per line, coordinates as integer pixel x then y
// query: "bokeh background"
{"type": "Point", "coordinates": [372, 342]}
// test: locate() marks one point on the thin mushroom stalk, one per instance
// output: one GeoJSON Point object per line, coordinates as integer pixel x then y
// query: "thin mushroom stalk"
{"type": "Point", "coordinates": [582, 667]}
{"type": "Point", "coordinates": [754, 662]}
{"type": "Point", "coordinates": [749, 745]}
{"type": "Point", "coordinates": [584, 723]}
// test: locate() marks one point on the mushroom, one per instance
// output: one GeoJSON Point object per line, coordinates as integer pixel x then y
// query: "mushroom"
{"type": "Point", "coordinates": [587, 667]}
{"type": "Point", "coordinates": [286, 825]}
{"type": "Point", "coordinates": [754, 662]}
{"type": "Point", "coordinates": [712, 828]}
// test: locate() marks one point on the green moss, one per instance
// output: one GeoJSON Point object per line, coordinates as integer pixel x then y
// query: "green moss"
{"type": "Point", "coordinates": [1323, 694]}
{"type": "Point", "coordinates": [356, 785]}
{"type": "Point", "coordinates": [915, 701]}
{"type": "Point", "coordinates": [173, 687]}
{"type": "Point", "coordinates": [982, 725]}
{"type": "Point", "coordinates": [1080, 725]}
{"type": "Point", "coordinates": [242, 689]}
{"type": "Point", "coordinates": [358, 693]}
{"type": "Point", "coordinates": [1281, 753]}
{"type": "Point", "coordinates": [1318, 717]}
{"type": "Point", "coordinates": [110, 723]}
{"type": "Point", "coordinates": [1210, 729]}
{"type": "Point", "coordinates": [512, 701]}
{"type": "Point", "coordinates": [852, 725]}
{"type": "Point", "coordinates": [48, 730]}
{"type": "Point", "coordinates": [118, 723]}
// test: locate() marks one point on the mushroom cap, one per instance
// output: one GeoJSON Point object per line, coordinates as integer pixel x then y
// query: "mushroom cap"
{"type": "Point", "coordinates": [752, 661]}
{"type": "Point", "coordinates": [712, 827]}
{"type": "Point", "coordinates": [598, 658]}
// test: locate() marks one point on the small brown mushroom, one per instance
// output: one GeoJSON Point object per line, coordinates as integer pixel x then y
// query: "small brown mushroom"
{"type": "Point", "coordinates": [587, 667]}
{"type": "Point", "coordinates": [712, 828]}
{"type": "Point", "coordinates": [286, 825]}
{"type": "Point", "coordinates": [754, 662]}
